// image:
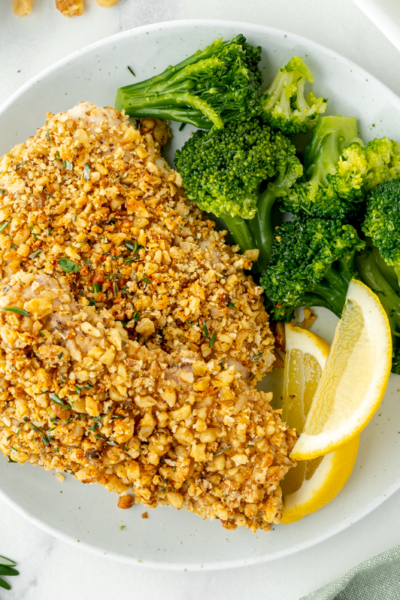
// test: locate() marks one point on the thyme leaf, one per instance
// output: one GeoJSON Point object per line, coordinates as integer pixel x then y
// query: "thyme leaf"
{"type": "Point", "coordinates": [18, 311]}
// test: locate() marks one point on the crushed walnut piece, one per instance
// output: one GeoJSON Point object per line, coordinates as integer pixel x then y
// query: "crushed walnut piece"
{"type": "Point", "coordinates": [130, 337]}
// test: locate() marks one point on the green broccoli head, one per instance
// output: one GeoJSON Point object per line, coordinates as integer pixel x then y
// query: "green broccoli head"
{"type": "Point", "coordinates": [310, 265]}
{"type": "Point", "coordinates": [214, 86]}
{"type": "Point", "coordinates": [328, 189]}
{"type": "Point", "coordinates": [370, 165]}
{"type": "Point", "coordinates": [222, 171]}
{"type": "Point", "coordinates": [284, 104]}
{"type": "Point", "coordinates": [382, 221]}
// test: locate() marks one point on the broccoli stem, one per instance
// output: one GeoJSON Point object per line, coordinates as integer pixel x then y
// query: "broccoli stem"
{"type": "Point", "coordinates": [140, 106]}
{"type": "Point", "coordinates": [371, 275]}
{"type": "Point", "coordinates": [387, 271]}
{"type": "Point", "coordinates": [165, 76]}
{"type": "Point", "coordinates": [261, 228]}
{"type": "Point", "coordinates": [182, 115]}
{"type": "Point", "coordinates": [331, 291]}
{"type": "Point", "coordinates": [239, 229]}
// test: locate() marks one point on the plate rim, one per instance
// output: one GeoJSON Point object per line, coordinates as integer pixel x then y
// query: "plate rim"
{"type": "Point", "coordinates": [216, 565]}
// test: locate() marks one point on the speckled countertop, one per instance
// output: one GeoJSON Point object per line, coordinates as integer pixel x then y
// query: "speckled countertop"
{"type": "Point", "coordinates": [49, 568]}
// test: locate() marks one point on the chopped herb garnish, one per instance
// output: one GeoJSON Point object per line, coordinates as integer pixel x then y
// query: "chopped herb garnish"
{"type": "Point", "coordinates": [87, 386]}
{"type": "Point", "coordinates": [212, 340]}
{"type": "Point", "coordinates": [182, 125]}
{"type": "Point", "coordinates": [59, 356]}
{"type": "Point", "coordinates": [206, 331]}
{"type": "Point", "coordinates": [54, 398]}
{"type": "Point", "coordinates": [122, 527]}
{"type": "Point", "coordinates": [92, 302]}
{"type": "Point", "coordinates": [94, 426]}
{"type": "Point", "coordinates": [230, 305]}
{"type": "Point", "coordinates": [2, 227]}
{"type": "Point", "coordinates": [47, 134]}
{"type": "Point", "coordinates": [115, 180]}
{"type": "Point", "coordinates": [136, 316]}
{"type": "Point", "coordinates": [256, 357]}
{"type": "Point", "coordinates": [44, 436]}
{"type": "Point", "coordinates": [18, 311]}
{"type": "Point", "coordinates": [146, 279]}
{"type": "Point", "coordinates": [20, 165]}
{"type": "Point", "coordinates": [86, 172]}
{"type": "Point", "coordinates": [129, 245]}
{"type": "Point", "coordinates": [14, 449]}
{"type": "Point", "coordinates": [131, 71]}
{"type": "Point", "coordinates": [97, 287]}
{"type": "Point", "coordinates": [74, 218]}
{"type": "Point", "coordinates": [41, 333]}
{"type": "Point", "coordinates": [35, 254]}
{"type": "Point", "coordinates": [58, 157]}
{"type": "Point", "coordinates": [50, 196]}
{"type": "Point", "coordinates": [68, 165]}
{"type": "Point", "coordinates": [68, 266]}
{"type": "Point", "coordinates": [221, 451]}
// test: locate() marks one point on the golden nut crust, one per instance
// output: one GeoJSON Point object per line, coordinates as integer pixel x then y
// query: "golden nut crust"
{"type": "Point", "coordinates": [135, 338]}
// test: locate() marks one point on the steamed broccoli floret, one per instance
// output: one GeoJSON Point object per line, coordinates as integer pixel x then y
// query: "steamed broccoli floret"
{"type": "Point", "coordinates": [327, 188]}
{"type": "Point", "coordinates": [382, 221]}
{"type": "Point", "coordinates": [311, 265]}
{"type": "Point", "coordinates": [284, 104]}
{"type": "Point", "coordinates": [222, 172]}
{"type": "Point", "coordinates": [370, 165]}
{"type": "Point", "coordinates": [217, 85]}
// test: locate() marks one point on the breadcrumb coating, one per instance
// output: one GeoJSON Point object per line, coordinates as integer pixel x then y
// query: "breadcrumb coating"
{"type": "Point", "coordinates": [130, 336]}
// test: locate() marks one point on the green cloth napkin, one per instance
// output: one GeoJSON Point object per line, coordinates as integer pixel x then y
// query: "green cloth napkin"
{"type": "Point", "coordinates": [377, 578]}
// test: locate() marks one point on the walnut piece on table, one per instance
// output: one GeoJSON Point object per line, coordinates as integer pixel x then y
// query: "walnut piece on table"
{"type": "Point", "coordinates": [70, 8]}
{"type": "Point", "coordinates": [106, 3]}
{"type": "Point", "coordinates": [125, 501]}
{"type": "Point", "coordinates": [22, 8]}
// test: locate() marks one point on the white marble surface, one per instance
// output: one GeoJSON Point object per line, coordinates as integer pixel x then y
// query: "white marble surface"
{"type": "Point", "coordinates": [50, 568]}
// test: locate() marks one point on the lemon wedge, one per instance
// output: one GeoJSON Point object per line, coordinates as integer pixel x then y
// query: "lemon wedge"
{"type": "Point", "coordinates": [312, 483]}
{"type": "Point", "coordinates": [354, 379]}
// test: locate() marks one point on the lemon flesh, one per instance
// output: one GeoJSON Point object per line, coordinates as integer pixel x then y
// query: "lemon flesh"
{"type": "Point", "coordinates": [354, 379]}
{"type": "Point", "coordinates": [312, 483]}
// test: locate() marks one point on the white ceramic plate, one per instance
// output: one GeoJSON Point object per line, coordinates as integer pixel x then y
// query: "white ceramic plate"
{"type": "Point", "coordinates": [385, 14]}
{"type": "Point", "coordinates": [88, 515]}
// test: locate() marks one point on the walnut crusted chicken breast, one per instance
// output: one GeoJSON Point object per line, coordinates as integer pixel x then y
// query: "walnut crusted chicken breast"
{"type": "Point", "coordinates": [130, 336]}
{"type": "Point", "coordinates": [78, 395]}
{"type": "Point", "coordinates": [89, 198]}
